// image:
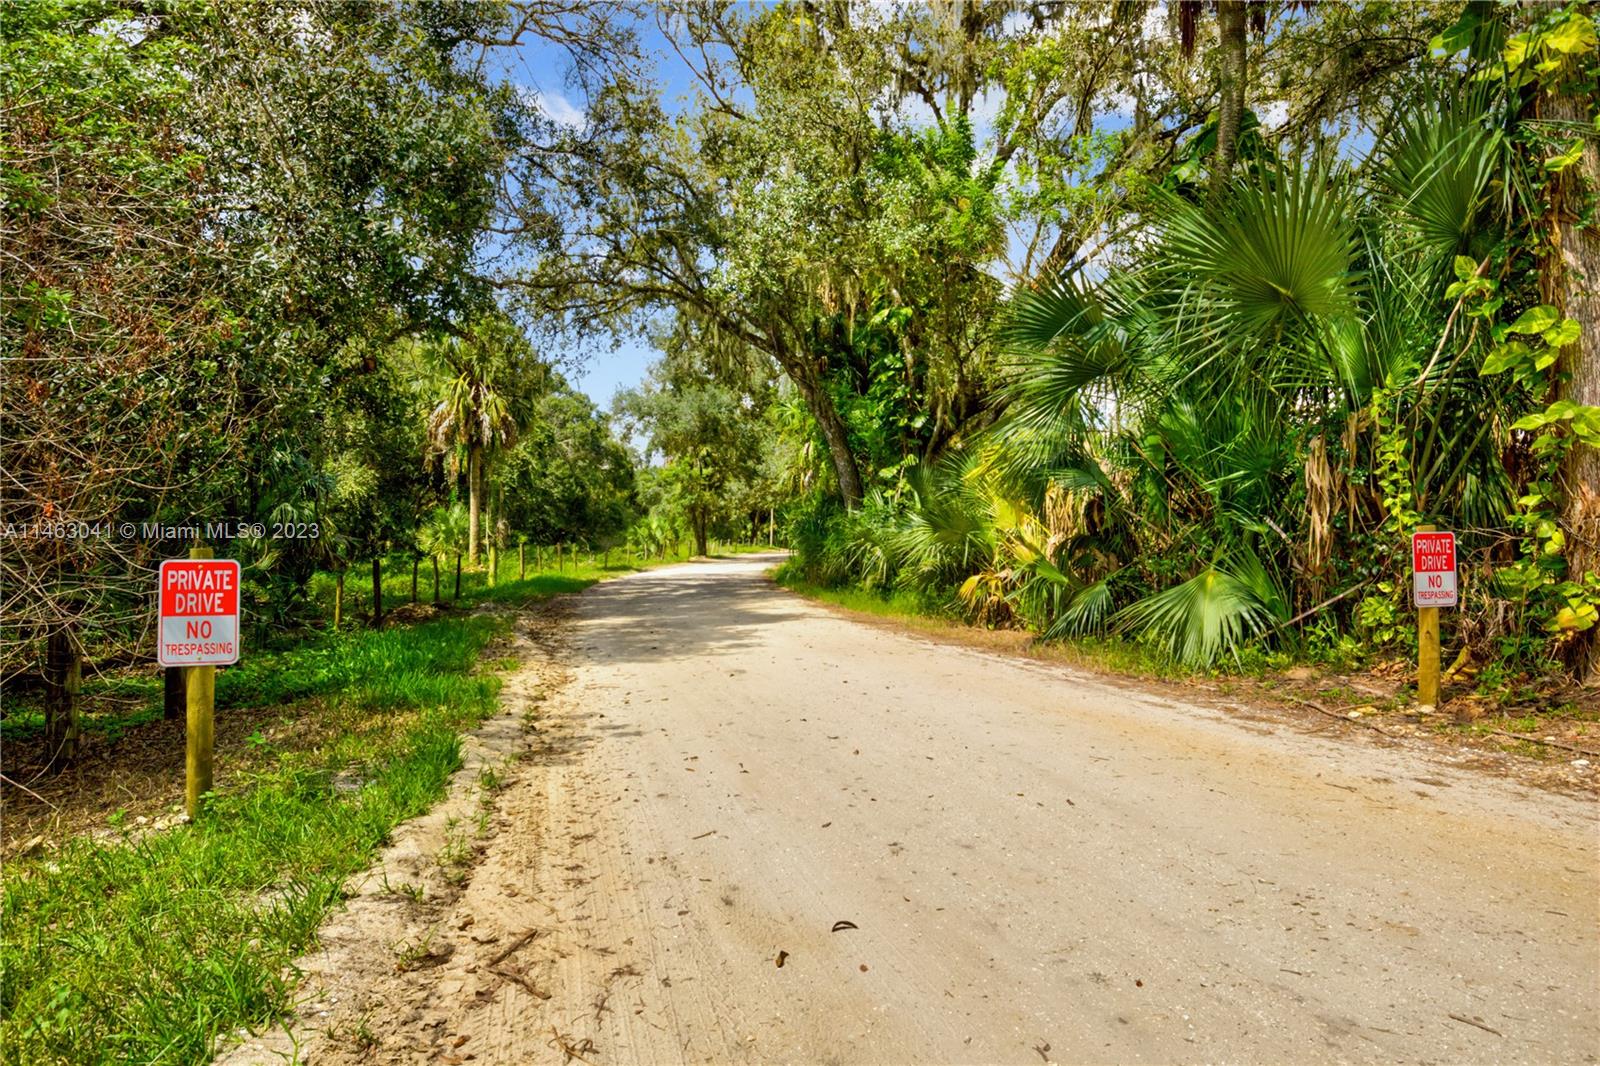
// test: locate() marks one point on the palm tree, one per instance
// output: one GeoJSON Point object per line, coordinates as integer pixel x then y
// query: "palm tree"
{"type": "Point", "coordinates": [472, 416]}
{"type": "Point", "coordinates": [1233, 73]}
{"type": "Point", "coordinates": [444, 533]}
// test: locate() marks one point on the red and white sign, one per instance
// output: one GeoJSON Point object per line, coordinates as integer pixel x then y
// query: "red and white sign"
{"type": "Point", "coordinates": [1433, 569]}
{"type": "Point", "coordinates": [199, 612]}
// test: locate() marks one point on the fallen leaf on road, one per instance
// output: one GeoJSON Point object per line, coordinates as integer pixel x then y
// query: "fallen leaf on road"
{"type": "Point", "coordinates": [512, 948]}
{"type": "Point", "coordinates": [781, 956]}
{"type": "Point", "coordinates": [1476, 1023]}
{"type": "Point", "coordinates": [843, 924]}
{"type": "Point", "coordinates": [863, 967]}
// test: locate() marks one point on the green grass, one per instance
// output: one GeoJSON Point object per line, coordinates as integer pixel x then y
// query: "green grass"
{"type": "Point", "coordinates": [148, 949]}
{"type": "Point", "coordinates": [881, 603]}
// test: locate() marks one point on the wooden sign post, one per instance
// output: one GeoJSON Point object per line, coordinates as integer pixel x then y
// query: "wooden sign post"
{"type": "Point", "coordinates": [199, 631]}
{"type": "Point", "coordinates": [1433, 585]}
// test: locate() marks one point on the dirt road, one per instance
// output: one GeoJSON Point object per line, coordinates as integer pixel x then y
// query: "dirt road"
{"type": "Point", "coordinates": [1036, 866]}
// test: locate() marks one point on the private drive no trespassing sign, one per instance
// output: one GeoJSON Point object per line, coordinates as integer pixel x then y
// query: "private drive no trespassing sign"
{"type": "Point", "coordinates": [199, 612]}
{"type": "Point", "coordinates": [1433, 569]}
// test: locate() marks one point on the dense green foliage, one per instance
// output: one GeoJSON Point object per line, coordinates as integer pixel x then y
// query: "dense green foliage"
{"type": "Point", "coordinates": [1221, 427]}
{"type": "Point", "coordinates": [1122, 319]}
{"type": "Point", "coordinates": [244, 295]}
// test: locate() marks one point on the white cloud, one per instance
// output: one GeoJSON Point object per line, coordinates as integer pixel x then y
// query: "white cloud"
{"type": "Point", "coordinates": [1273, 114]}
{"type": "Point", "coordinates": [556, 108]}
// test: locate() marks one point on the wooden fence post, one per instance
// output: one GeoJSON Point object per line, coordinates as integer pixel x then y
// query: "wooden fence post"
{"type": "Point", "coordinates": [377, 592]}
{"type": "Point", "coordinates": [172, 692]}
{"type": "Point", "coordinates": [63, 681]}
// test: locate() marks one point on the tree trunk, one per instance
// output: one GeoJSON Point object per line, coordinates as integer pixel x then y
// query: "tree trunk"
{"type": "Point", "coordinates": [377, 591]}
{"type": "Point", "coordinates": [338, 597]}
{"type": "Point", "coordinates": [697, 517]}
{"type": "Point", "coordinates": [844, 461]}
{"type": "Point", "coordinates": [457, 596]}
{"type": "Point", "coordinates": [436, 600]}
{"type": "Point", "coordinates": [522, 562]}
{"type": "Point", "coordinates": [1572, 278]}
{"type": "Point", "coordinates": [804, 373]}
{"type": "Point", "coordinates": [494, 562]}
{"type": "Point", "coordinates": [1231, 77]}
{"type": "Point", "coordinates": [474, 499]}
{"type": "Point", "coordinates": [772, 522]}
{"type": "Point", "coordinates": [416, 563]}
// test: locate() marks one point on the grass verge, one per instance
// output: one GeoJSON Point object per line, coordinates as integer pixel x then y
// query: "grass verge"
{"type": "Point", "coordinates": [936, 618]}
{"type": "Point", "coordinates": [148, 948]}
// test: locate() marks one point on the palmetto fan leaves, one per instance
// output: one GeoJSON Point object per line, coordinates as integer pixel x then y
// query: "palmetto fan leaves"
{"type": "Point", "coordinates": [445, 531]}
{"type": "Point", "coordinates": [1438, 168]}
{"type": "Point", "coordinates": [1063, 337]}
{"type": "Point", "coordinates": [1059, 304]}
{"type": "Point", "coordinates": [1196, 621]}
{"type": "Point", "coordinates": [950, 527]}
{"type": "Point", "coordinates": [868, 541]}
{"type": "Point", "coordinates": [1086, 612]}
{"type": "Point", "coordinates": [1275, 255]}
{"type": "Point", "coordinates": [1075, 356]}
